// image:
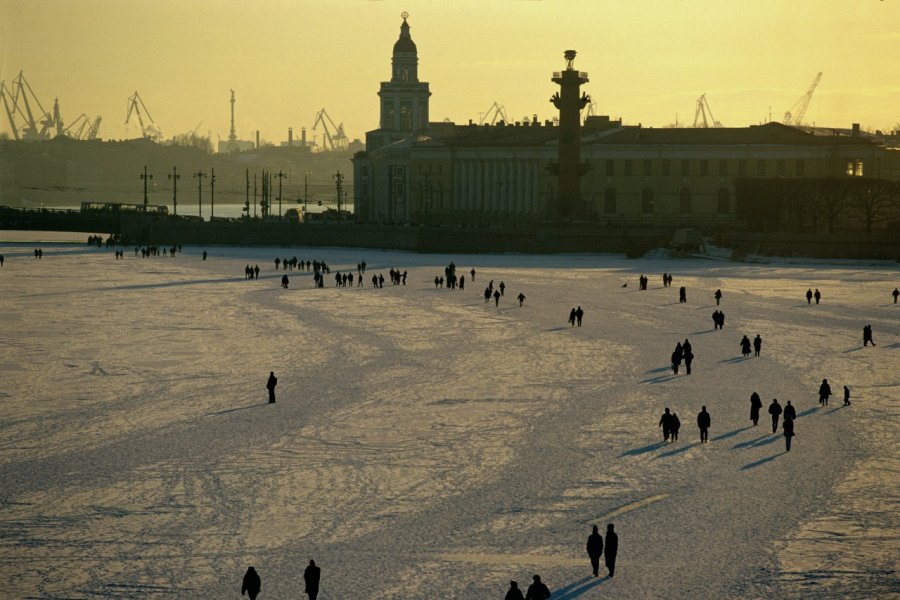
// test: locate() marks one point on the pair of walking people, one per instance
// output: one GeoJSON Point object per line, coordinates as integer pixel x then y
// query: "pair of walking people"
{"type": "Point", "coordinates": [252, 583]}
{"type": "Point", "coordinates": [595, 549]}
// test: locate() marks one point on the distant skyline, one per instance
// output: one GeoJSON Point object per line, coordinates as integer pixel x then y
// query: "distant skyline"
{"type": "Point", "coordinates": [648, 61]}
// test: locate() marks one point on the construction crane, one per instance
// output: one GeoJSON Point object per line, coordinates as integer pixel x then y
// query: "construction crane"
{"type": "Point", "coordinates": [136, 106]}
{"type": "Point", "coordinates": [703, 116]}
{"type": "Point", "coordinates": [79, 128]}
{"type": "Point", "coordinates": [798, 111]}
{"type": "Point", "coordinates": [496, 111]}
{"type": "Point", "coordinates": [335, 139]}
{"type": "Point", "coordinates": [95, 127]}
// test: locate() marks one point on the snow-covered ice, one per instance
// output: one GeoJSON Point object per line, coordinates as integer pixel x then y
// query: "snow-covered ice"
{"type": "Point", "coordinates": [426, 444]}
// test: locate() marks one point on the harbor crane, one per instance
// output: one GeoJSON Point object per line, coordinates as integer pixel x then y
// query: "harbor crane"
{"type": "Point", "coordinates": [795, 115]}
{"type": "Point", "coordinates": [703, 116]}
{"type": "Point", "coordinates": [136, 106]}
{"type": "Point", "coordinates": [335, 139]}
{"type": "Point", "coordinates": [21, 115]}
{"type": "Point", "coordinates": [496, 111]}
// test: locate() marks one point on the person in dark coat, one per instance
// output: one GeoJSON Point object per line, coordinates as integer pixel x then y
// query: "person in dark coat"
{"type": "Point", "coordinates": [703, 422]}
{"type": "Point", "coordinates": [537, 590]}
{"type": "Point", "coordinates": [380, 280]}
{"type": "Point", "coordinates": [788, 427]}
{"type": "Point", "coordinates": [674, 426]}
{"type": "Point", "coordinates": [665, 421]}
{"type": "Point", "coordinates": [846, 396]}
{"type": "Point", "coordinates": [688, 359]}
{"type": "Point", "coordinates": [682, 294]}
{"type": "Point", "coordinates": [676, 360]}
{"type": "Point", "coordinates": [284, 281]}
{"type": "Point", "coordinates": [824, 392]}
{"type": "Point", "coordinates": [270, 385]}
{"type": "Point", "coordinates": [595, 550]}
{"type": "Point", "coordinates": [497, 295]}
{"type": "Point", "coordinates": [472, 273]}
{"type": "Point", "coordinates": [311, 577]}
{"type": "Point", "coordinates": [502, 288]}
{"type": "Point", "coordinates": [895, 293]}
{"type": "Point", "coordinates": [789, 411]}
{"type": "Point", "coordinates": [514, 592]}
{"type": "Point", "coordinates": [757, 344]}
{"type": "Point", "coordinates": [487, 295]}
{"type": "Point", "coordinates": [775, 411]}
{"type": "Point", "coordinates": [718, 296]}
{"type": "Point", "coordinates": [521, 299]}
{"type": "Point", "coordinates": [579, 314]}
{"type": "Point", "coordinates": [1, 264]}
{"type": "Point", "coordinates": [572, 317]}
{"type": "Point", "coordinates": [809, 296]}
{"type": "Point", "coordinates": [745, 346]}
{"type": "Point", "coordinates": [755, 405]}
{"type": "Point", "coordinates": [612, 548]}
{"type": "Point", "coordinates": [817, 295]}
{"type": "Point", "coordinates": [867, 336]}
{"type": "Point", "coordinates": [715, 318]}
{"type": "Point", "coordinates": [251, 584]}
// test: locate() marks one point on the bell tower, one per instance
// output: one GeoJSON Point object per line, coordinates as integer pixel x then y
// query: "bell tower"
{"type": "Point", "coordinates": [404, 99]}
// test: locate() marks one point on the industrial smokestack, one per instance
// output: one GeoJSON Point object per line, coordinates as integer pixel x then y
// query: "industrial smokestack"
{"type": "Point", "coordinates": [303, 136]}
{"type": "Point", "coordinates": [257, 138]}
{"type": "Point", "coordinates": [290, 136]}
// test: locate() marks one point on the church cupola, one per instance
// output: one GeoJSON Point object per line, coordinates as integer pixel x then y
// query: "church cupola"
{"type": "Point", "coordinates": [405, 60]}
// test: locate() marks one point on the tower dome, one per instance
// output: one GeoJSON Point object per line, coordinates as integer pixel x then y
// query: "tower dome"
{"type": "Point", "coordinates": [404, 43]}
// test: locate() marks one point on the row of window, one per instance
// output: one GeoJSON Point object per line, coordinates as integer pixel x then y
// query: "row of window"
{"type": "Point", "coordinates": [702, 167]}
{"type": "Point", "coordinates": [685, 202]}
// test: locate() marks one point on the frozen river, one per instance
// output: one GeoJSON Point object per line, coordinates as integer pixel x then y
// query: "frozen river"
{"type": "Point", "coordinates": [425, 443]}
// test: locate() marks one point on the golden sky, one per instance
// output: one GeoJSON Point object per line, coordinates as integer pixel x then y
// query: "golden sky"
{"type": "Point", "coordinates": [648, 60]}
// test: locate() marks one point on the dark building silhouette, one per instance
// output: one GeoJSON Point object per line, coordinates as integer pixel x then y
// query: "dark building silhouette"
{"type": "Point", "coordinates": [569, 168]}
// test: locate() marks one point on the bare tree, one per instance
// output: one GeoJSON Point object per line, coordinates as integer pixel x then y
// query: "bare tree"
{"type": "Point", "coordinates": [874, 201]}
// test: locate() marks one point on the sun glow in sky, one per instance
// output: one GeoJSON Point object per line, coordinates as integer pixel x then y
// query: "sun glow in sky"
{"type": "Point", "coordinates": [648, 60]}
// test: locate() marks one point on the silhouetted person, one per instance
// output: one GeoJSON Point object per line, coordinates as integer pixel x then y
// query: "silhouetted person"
{"type": "Point", "coordinates": [285, 281]}
{"type": "Point", "coordinates": [775, 411]}
{"type": "Point", "coordinates": [757, 344]}
{"type": "Point", "coordinates": [595, 550]}
{"type": "Point", "coordinates": [612, 548]}
{"type": "Point", "coordinates": [204, 255]}
{"type": "Point", "coordinates": [537, 590]}
{"type": "Point", "coordinates": [502, 288]}
{"type": "Point", "coordinates": [256, 272]}
{"type": "Point", "coordinates": [270, 385]}
{"type": "Point", "coordinates": [380, 280]}
{"type": "Point", "coordinates": [745, 346]}
{"type": "Point", "coordinates": [703, 422]}
{"type": "Point", "coordinates": [496, 297]}
{"type": "Point", "coordinates": [579, 313]}
{"type": "Point", "coordinates": [1, 264]}
{"type": "Point", "coordinates": [817, 295]}
{"type": "Point", "coordinates": [809, 296]}
{"type": "Point", "coordinates": [521, 299]}
{"type": "Point", "coordinates": [514, 592]}
{"type": "Point", "coordinates": [572, 317]}
{"type": "Point", "coordinates": [251, 584]}
{"type": "Point", "coordinates": [688, 359]}
{"type": "Point", "coordinates": [677, 355]}
{"type": "Point", "coordinates": [867, 336]}
{"type": "Point", "coordinates": [682, 294]}
{"type": "Point", "coordinates": [674, 427]}
{"type": "Point", "coordinates": [472, 273]}
{"type": "Point", "coordinates": [789, 411]}
{"type": "Point", "coordinates": [824, 392]}
{"type": "Point", "coordinates": [718, 296]}
{"type": "Point", "coordinates": [487, 295]}
{"type": "Point", "coordinates": [755, 405]}
{"type": "Point", "coordinates": [311, 578]}
{"type": "Point", "coordinates": [665, 421]}
{"type": "Point", "coordinates": [715, 318]}
{"type": "Point", "coordinates": [788, 427]}
{"type": "Point", "coordinates": [895, 293]}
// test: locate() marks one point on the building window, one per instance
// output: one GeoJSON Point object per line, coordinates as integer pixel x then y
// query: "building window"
{"type": "Point", "coordinates": [628, 166]}
{"type": "Point", "coordinates": [388, 114]}
{"type": "Point", "coordinates": [610, 167]}
{"type": "Point", "coordinates": [801, 168]}
{"type": "Point", "coordinates": [666, 167]}
{"type": "Point", "coordinates": [704, 167]}
{"type": "Point", "coordinates": [648, 168]}
{"type": "Point", "coordinates": [855, 167]}
{"type": "Point", "coordinates": [779, 167]}
{"type": "Point", "coordinates": [723, 206]}
{"type": "Point", "coordinates": [647, 201]}
{"type": "Point", "coordinates": [761, 168]}
{"type": "Point", "coordinates": [684, 201]}
{"type": "Point", "coordinates": [723, 168]}
{"type": "Point", "coordinates": [742, 168]}
{"type": "Point", "coordinates": [685, 168]}
{"type": "Point", "coordinates": [609, 201]}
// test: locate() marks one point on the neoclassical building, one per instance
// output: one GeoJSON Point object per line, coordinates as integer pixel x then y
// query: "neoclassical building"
{"type": "Point", "coordinates": [418, 172]}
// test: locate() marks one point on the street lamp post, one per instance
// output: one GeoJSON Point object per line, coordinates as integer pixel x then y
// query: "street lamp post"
{"type": "Point", "coordinates": [199, 175]}
{"type": "Point", "coordinates": [174, 176]}
{"type": "Point", "coordinates": [145, 177]}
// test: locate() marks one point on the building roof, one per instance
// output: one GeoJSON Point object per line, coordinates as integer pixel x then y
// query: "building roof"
{"type": "Point", "coordinates": [768, 134]}
{"type": "Point", "coordinates": [405, 43]}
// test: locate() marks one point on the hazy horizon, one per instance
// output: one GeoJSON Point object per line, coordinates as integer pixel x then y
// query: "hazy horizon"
{"type": "Point", "coordinates": [648, 61]}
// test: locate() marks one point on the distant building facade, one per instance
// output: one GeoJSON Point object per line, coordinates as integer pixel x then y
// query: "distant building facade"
{"type": "Point", "coordinates": [418, 172]}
